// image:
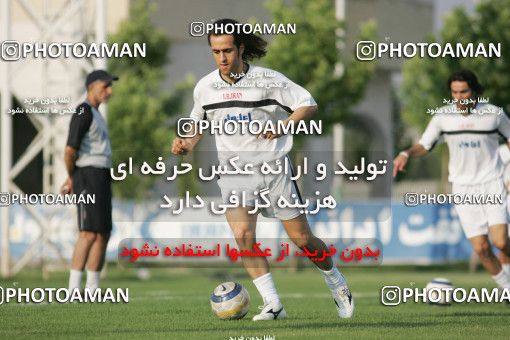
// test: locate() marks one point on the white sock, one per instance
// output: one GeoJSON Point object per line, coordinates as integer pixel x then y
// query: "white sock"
{"type": "Point", "coordinates": [333, 278]}
{"type": "Point", "coordinates": [75, 279]}
{"type": "Point", "coordinates": [92, 280]}
{"type": "Point", "coordinates": [506, 268]}
{"type": "Point", "coordinates": [502, 279]}
{"type": "Point", "coordinates": [266, 288]}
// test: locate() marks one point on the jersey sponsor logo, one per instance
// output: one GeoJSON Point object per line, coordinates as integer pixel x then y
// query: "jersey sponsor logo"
{"type": "Point", "coordinates": [239, 118]}
{"type": "Point", "coordinates": [470, 144]}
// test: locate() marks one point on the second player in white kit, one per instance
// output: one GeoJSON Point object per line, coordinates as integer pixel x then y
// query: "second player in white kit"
{"type": "Point", "coordinates": [472, 130]}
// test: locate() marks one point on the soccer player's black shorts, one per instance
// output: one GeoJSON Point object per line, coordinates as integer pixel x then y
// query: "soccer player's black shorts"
{"type": "Point", "coordinates": [96, 217]}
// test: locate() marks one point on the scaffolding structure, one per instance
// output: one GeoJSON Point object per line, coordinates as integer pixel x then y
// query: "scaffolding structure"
{"type": "Point", "coordinates": [66, 21]}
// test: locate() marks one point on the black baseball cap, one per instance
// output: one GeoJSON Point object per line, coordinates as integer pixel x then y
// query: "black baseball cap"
{"type": "Point", "coordinates": [99, 75]}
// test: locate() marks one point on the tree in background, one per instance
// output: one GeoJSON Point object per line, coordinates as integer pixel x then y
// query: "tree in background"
{"type": "Point", "coordinates": [314, 59]}
{"type": "Point", "coordinates": [310, 57]}
{"type": "Point", "coordinates": [424, 79]}
{"type": "Point", "coordinates": [139, 112]}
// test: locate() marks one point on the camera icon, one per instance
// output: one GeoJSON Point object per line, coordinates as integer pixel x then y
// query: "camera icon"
{"type": "Point", "coordinates": [11, 50]}
{"type": "Point", "coordinates": [5, 199]}
{"type": "Point", "coordinates": [186, 127]}
{"type": "Point", "coordinates": [411, 199]}
{"type": "Point", "coordinates": [391, 295]}
{"type": "Point", "coordinates": [365, 50]}
{"type": "Point", "coordinates": [197, 29]}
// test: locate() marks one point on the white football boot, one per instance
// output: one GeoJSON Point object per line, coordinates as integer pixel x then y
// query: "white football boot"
{"type": "Point", "coordinates": [271, 311]}
{"type": "Point", "coordinates": [343, 301]}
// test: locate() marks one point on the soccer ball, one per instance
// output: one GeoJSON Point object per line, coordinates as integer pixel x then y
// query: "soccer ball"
{"type": "Point", "coordinates": [230, 301]}
{"type": "Point", "coordinates": [436, 293]}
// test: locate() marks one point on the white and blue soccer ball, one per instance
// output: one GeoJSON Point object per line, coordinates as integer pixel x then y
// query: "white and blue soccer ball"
{"type": "Point", "coordinates": [230, 301]}
{"type": "Point", "coordinates": [439, 292]}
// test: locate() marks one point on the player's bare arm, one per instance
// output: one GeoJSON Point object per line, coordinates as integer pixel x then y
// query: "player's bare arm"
{"type": "Point", "coordinates": [302, 113]}
{"type": "Point", "coordinates": [400, 162]}
{"type": "Point", "coordinates": [69, 160]}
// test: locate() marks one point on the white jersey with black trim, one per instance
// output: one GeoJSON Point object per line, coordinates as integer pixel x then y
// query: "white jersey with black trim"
{"type": "Point", "coordinates": [504, 154]}
{"type": "Point", "coordinates": [472, 140]}
{"type": "Point", "coordinates": [260, 95]}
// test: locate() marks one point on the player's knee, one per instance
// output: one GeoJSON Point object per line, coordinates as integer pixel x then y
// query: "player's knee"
{"type": "Point", "coordinates": [482, 249]}
{"type": "Point", "coordinates": [302, 239]}
{"type": "Point", "coordinates": [102, 237]}
{"type": "Point", "coordinates": [244, 234]}
{"type": "Point", "coordinates": [88, 236]}
{"type": "Point", "coordinates": [501, 244]}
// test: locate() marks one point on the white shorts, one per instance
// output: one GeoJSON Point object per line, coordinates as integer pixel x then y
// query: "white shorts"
{"type": "Point", "coordinates": [477, 218]}
{"type": "Point", "coordinates": [279, 185]}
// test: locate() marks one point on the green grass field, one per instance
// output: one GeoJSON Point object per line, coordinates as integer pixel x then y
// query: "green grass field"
{"type": "Point", "coordinates": [174, 304]}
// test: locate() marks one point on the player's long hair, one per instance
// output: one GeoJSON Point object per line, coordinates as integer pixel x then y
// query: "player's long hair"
{"type": "Point", "coordinates": [254, 46]}
{"type": "Point", "coordinates": [469, 77]}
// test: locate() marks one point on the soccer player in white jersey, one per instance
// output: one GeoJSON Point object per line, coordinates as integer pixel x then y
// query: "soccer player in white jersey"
{"type": "Point", "coordinates": [504, 154]}
{"type": "Point", "coordinates": [230, 101]}
{"type": "Point", "coordinates": [472, 129]}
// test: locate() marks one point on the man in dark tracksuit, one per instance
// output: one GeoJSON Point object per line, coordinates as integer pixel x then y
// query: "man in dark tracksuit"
{"type": "Point", "coordinates": [87, 158]}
